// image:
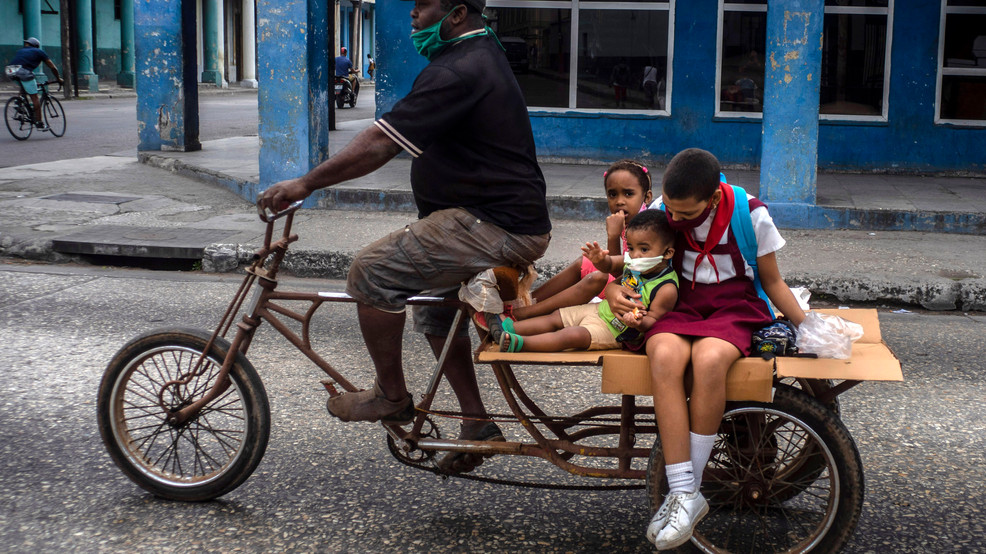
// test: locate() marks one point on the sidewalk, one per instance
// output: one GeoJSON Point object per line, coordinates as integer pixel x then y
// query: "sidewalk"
{"type": "Point", "coordinates": [854, 201]}
{"type": "Point", "coordinates": [115, 206]}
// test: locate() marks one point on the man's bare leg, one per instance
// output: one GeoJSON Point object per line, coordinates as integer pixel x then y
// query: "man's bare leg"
{"type": "Point", "coordinates": [36, 104]}
{"type": "Point", "coordinates": [383, 333]}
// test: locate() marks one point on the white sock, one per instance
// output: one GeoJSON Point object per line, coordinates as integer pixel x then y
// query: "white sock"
{"type": "Point", "coordinates": [680, 477]}
{"type": "Point", "coordinates": [701, 446]}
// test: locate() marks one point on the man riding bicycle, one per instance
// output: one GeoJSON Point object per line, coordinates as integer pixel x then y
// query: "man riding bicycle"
{"type": "Point", "coordinates": [481, 203]}
{"type": "Point", "coordinates": [21, 69]}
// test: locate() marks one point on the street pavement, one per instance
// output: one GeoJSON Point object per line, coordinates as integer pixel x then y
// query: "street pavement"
{"type": "Point", "coordinates": [187, 199]}
{"type": "Point", "coordinates": [329, 486]}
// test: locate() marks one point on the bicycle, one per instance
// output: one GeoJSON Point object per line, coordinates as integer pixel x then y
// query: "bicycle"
{"type": "Point", "coordinates": [184, 414]}
{"type": "Point", "coordinates": [19, 113]}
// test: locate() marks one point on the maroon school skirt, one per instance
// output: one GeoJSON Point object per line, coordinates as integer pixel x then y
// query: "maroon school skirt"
{"type": "Point", "coordinates": [729, 310]}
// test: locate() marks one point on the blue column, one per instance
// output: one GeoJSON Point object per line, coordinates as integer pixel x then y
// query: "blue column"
{"type": "Point", "coordinates": [32, 21]}
{"type": "Point", "coordinates": [397, 62]}
{"type": "Point", "coordinates": [126, 76]}
{"type": "Point", "coordinates": [86, 78]}
{"type": "Point", "coordinates": [293, 57]}
{"type": "Point", "coordinates": [790, 110]}
{"type": "Point", "coordinates": [167, 93]}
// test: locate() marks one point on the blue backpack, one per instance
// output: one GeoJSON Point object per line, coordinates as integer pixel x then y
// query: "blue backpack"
{"type": "Point", "coordinates": [742, 225]}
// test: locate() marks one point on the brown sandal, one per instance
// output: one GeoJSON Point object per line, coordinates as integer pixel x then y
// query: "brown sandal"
{"type": "Point", "coordinates": [464, 462]}
{"type": "Point", "coordinates": [371, 405]}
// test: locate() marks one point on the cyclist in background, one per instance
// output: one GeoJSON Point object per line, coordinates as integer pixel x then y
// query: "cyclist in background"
{"type": "Point", "coordinates": [22, 67]}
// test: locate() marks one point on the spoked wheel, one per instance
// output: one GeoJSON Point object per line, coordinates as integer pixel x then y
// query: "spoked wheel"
{"type": "Point", "coordinates": [760, 497]}
{"type": "Point", "coordinates": [814, 388]}
{"type": "Point", "coordinates": [18, 118]}
{"type": "Point", "coordinates": [54, 115]}
{"type": "Point", "coordinates": [210, 455]}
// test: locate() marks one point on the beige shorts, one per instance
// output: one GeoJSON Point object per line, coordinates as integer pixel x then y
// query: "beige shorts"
{"type": "Point", "coordinates": [587, 317]}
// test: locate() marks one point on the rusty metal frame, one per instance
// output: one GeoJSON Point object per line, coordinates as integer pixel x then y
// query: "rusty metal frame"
{"type": "Point", "coordinates": [557, 439]}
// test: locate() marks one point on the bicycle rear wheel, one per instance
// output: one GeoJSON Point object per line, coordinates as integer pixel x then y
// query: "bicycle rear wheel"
{"type": "Point", "coordinates": [153, 376]}
{"type": "Point", "coordinates": [54, 115]}
{"type": "Point", "coordinates": [760, 497]}
{"type": "Point", "coordinates": [18, 118]}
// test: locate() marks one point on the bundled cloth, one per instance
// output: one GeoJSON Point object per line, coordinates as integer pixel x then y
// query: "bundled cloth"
{"type": "Point", "coordinates": [488, 290]}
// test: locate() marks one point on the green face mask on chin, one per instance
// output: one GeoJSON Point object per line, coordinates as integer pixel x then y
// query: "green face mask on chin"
{"type": "Point", "coordinates": [429, 42]}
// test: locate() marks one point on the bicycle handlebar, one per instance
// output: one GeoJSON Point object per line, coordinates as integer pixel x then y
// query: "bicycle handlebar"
{"type": "Point", "coordinates": [267, 215]}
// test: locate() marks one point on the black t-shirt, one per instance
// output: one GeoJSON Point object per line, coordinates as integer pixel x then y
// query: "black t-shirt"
{"type": "Point", "coordinates": [466, 125]}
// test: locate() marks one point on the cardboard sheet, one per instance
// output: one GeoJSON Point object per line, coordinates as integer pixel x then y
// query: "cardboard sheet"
{"type": "Point", "coordinates": [625, 372]}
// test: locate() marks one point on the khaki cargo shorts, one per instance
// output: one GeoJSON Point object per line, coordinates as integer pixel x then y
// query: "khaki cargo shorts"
{"type": "Point", "coordinates": [587, 317]}
{"type": "Point", "coordinates": [433, 256]}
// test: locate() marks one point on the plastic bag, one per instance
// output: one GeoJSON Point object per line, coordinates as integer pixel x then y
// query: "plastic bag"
{"type": "Point", "coordinates": [481, 293]}
{"type": "Point", "coordinates": [827, 336]}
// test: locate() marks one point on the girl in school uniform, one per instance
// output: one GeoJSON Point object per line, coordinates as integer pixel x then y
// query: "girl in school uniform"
{"type": "Point", "coordinates": [711, 327]}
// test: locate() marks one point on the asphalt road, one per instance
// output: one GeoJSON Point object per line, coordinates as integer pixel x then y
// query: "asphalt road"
{"type": "Point", "coordinates": [328, 486]}
{"type": "Point", "coordinates": [107, 126]}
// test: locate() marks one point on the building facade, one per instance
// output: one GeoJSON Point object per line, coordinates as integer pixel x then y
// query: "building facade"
{"type": "Point", "coordinates": [902, 83]}
{"type": "Point", "coordinates": [102, 35]}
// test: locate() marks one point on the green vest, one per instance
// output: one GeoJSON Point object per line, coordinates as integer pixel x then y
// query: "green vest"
{"type": "Point", "coordinates": [646, 289]}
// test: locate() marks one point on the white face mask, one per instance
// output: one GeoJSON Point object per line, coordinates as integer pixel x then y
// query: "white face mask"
{"type": "Point", "coordinates": [641, 265]}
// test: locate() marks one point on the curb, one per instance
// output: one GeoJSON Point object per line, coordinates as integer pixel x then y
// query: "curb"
{"type": "Point", "coordinates": [939, 294]}
{"type": "Point", "coordinates": [931, 294]}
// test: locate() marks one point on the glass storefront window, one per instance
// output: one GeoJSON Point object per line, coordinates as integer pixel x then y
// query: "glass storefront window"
{"type": "Point", "coordinates": [619, 50]}
{"type": "Point", "coordinates": [538, 47]}
{"type": "Point", "coordinates": [962, 63]}
{"type": "Point", "coordinates": [741, 70]}
{"type": "Point", "coordinates": [854, 58]}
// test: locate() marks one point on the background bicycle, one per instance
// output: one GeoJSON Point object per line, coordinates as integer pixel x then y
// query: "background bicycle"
{"type": "Point", "coordinates": [18, 113]}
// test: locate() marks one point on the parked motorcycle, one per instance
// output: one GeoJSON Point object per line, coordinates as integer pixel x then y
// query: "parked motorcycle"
{"type": "Point", "coordinates": [346, 91]}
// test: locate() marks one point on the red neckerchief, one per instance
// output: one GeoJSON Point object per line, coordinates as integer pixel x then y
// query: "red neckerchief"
{"type": "Point", "coordinates": [724, 212]}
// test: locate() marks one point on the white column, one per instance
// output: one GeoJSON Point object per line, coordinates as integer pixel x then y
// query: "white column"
{"type": "Point", "coordinates": [357, 33]}
{"type": "Point", "coordinates": [249, 38]}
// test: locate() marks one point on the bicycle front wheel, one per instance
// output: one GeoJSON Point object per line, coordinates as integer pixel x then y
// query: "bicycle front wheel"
{"type": "Point", "coordinates": [18, 118]}
{"type": "Point", "coordinates": [54, 115]}
{"type": "Point", "coordinates": [154, 375]}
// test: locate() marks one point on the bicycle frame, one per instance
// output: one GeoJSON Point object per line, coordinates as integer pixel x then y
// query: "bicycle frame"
{"type": "Point", "coordinates": [265, 306]}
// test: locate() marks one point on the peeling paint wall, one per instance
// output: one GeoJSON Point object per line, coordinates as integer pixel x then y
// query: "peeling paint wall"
{"type": "Point", "coordinates": [398, 64]}
{"type": "Point", "coordinates": [293, 72]}
{"type": "Point", "coordinates": [167, 93]}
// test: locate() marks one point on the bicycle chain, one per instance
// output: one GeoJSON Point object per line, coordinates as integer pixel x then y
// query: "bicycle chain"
{"type": "Point", "coordinates": [402, 458]}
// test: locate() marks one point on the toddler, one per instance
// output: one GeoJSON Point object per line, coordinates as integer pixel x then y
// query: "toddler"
{"type": "Point", "coordinates": [645, 269]}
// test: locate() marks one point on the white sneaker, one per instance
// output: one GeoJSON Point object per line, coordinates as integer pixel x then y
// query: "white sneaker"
{"type": "Point", "coordinates": [659, 520]}
{"type": "Point", "coordinates": [683, 512]}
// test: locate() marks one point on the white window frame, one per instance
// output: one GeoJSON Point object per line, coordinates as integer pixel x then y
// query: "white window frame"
{"type": "Point", "coordinates": [575, 6]}
{"type": "Point", "coordinates": [960, 71]}
{"type": "Point", "coordinates": [852, 10]}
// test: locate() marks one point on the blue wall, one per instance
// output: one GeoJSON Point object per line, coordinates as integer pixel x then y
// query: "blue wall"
{"type": "Point", "coordinates": [397, 62]}
{"type": "Point", "coordinates": [909, 141]}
